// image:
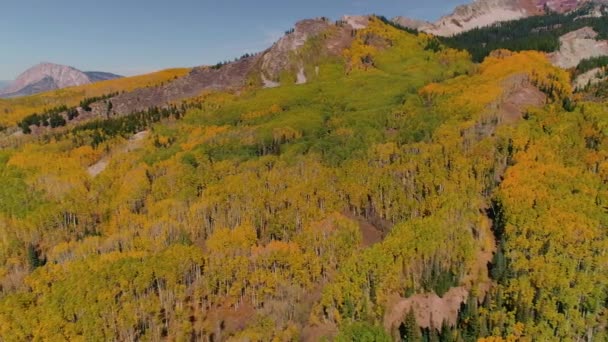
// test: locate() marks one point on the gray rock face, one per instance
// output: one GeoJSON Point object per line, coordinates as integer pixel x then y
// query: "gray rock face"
{"type": "Point", "coordinates": [230, 76]}
{"type": "Point", "coordinates": [578, 45]}
{"type": "Point", "coordinates": [49, 76]}
{"type": "Point", "coordinates": [278, 56]}
{"type": "Point", "coordinates": [410, 23]}
{"type": "Point", "coordinates": [480, 13]}
{"type": "Point", "coordinates": [265, 66]}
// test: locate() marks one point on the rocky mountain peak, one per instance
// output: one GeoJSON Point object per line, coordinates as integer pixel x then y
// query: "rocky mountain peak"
{"type": "Point", "coordinates": [277, 57]}
{"type": "Point", "coordinates": [49, 76]}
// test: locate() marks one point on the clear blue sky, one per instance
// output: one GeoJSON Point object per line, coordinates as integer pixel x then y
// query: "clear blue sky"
{"type": "Point", "coordinates": [136, 36]}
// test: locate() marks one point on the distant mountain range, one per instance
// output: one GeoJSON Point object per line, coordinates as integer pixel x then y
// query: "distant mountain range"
{"type": "Point", "coordinates": [479, 13]}
{"type": "Point", "coordinates": [48, 76]}
{"type": "Point", "coordinates": [575, 32]}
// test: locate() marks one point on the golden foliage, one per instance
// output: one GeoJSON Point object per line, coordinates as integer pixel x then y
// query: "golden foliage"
{"type": "Point", "coordinates": [13, 110]}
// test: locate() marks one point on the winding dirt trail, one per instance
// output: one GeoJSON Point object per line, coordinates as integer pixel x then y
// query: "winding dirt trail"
{"type": "Point", "coordinates": [134, 143]}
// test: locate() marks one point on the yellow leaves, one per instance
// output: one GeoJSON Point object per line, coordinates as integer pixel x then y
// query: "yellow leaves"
{"type": "Point", "coordinates": [536, 65]}
{"type": "Point", "coordinates": [226, 241]}
{"type": "Point", "coordinates": [272, 110]}
{"type": "Point", "coordinates": [358, 53]}
{"type": "Point", "coordinates": [285, 134]}
{"type": "Point", "coordinates": [201, 135]}
{"type": "Point", "coordinates": [449, 56]}
{"type": "Point", "coordinates": [280, 261]}
{"type": "Point", "coordinates": [487, 93]}
{"type": "Point", "coordinates": [51, 169]}
{"type": "Point", "coordinates": [86, 155]}
{"type": "Point", "coordinates": [280, 233]}
{"type": "Point", "coordinates": [431, 91]}
{"type": "Point", "coordinates": [211, 100]}
{"type": "Point", "coordinates": [276, 251]}
{"type": "Point", "coordinates": [79, 298]}
{"type": "Point", "coordinates": [551, 200]}
{"type": "Point", "coordinates": [333, 239]}
{"type": "Point", "coordinates": [603, 170]}
{"type": "Point", "coordinates": [510, 338]}
{"type": "Point", "coordinates": [344, 132]}
{"type": "Point", "coordinates": [14, 110]}
{"type": "Point", "coordinates": [133, 189]}
{"type": "Point", "coordinates": [361, 53]}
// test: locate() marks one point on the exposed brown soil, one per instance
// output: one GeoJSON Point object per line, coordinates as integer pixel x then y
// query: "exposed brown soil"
{"type": "Point", "coordinates": [519, 95]}
{"type": "Point", "coordinates": [371, 234]}
{"type": "Point", "coordinates": [318, 332]}
{"type": "Point", "coordinates": [224, 321]}
{"type": "Point", "coordinates": [428, 308]}
{"type": "Point", "coordinates": [432, 310]}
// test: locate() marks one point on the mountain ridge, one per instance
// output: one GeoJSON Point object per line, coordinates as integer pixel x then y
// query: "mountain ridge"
{"type": "Point", "coordinates": [481, 13]}
{"type": "Point", "coordinates": [354, 179]}
{"type": "Point", "coordinates": [292, 59]}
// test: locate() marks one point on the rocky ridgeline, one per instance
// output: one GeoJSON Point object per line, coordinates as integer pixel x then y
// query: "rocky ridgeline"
{"type": "Point", "coordinates": [482, 13]}
{"type": "Point", "coordinates": [264, 68]}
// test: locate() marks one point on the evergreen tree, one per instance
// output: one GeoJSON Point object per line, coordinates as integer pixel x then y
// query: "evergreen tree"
{"type": "Point", "coordinates": [446, 333]}
{"type": "Point", "coordinates": [33, 257]}
{"type": "Point", "coordinates": [410, 331]}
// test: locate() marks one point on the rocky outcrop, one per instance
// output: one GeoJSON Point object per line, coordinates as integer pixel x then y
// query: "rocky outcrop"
{"type": "Point", "coordinates": [482, 13]}
{"type": "Point", "coordinates": [266, 67]}
{"type": "Point", "coordinates": [357, 22]}
{"type": "Point", "coordinates": [410, 23]}
{"type": "Point", "coordinates": [49, 76]}
{"type": "Point", "coordinates": [477, 14]}
{"type": "Point", "coordinates": [578, 45]}
{"type": "Point", "coordinates": [278, 57]}
{"type": "Point", "coordinates": [230, 76]}
{"type": "Point", "coordinates": [590, 77]}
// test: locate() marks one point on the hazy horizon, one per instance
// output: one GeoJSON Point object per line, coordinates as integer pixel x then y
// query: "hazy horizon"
{"type": "Point", "coordinates": [125, 38]}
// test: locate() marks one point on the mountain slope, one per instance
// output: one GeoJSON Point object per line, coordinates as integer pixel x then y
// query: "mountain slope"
{"type": "Point", "coordinates": [577, 46]}
{"type": "Point", "coordinates": [399, 178]}
{"type": "Point", "coordinates": [481, 13]}
{"type": "Point", "coordinates": [355, 180]}
{"type": "Point", "coordinates": [14, 110]}
{"type": "Point", "coordinates": [549, 33]}
{"type": "Point", "coordinates": [48, 76]}
{"type": "Point", "coordinates": [293, 59]}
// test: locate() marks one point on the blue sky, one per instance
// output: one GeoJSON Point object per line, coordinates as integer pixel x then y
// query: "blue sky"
{"type": "Point", "coordinates": [132, 37]}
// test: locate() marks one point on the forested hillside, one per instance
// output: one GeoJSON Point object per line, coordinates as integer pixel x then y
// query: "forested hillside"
{"type": "Point", "coordinates": [14, 110]}
{"type": "Point", "coordinates": [404, 193]}
{"type": "Point", "coordinates": [539, 33]}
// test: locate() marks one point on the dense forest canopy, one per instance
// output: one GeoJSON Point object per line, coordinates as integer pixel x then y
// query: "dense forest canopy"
{"type": "Point", "coordinates": [402, 172]}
